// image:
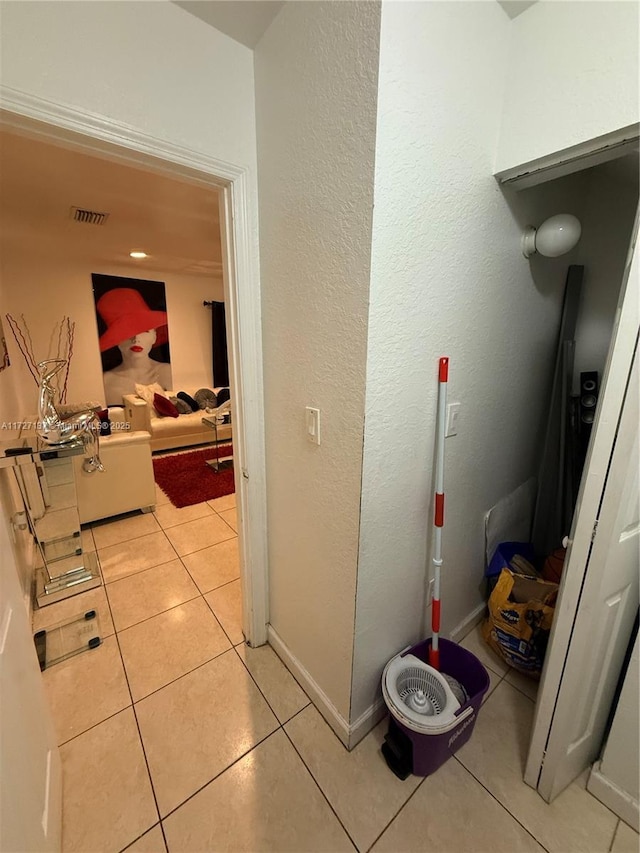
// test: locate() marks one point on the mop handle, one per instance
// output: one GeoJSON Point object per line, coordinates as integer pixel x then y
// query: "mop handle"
{"type": "Point", "coordinates": [438, 521]}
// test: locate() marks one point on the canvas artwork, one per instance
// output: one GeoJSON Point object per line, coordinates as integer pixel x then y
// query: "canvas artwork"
{"type": "Point", "coordinates": [133, 334]}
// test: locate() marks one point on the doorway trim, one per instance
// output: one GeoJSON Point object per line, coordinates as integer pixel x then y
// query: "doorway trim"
{"type": "Point", "coordinates": [112, 140]}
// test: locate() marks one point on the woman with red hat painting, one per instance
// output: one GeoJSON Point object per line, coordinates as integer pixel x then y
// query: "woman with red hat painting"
{"type": "Point", "coordinates": [135, 329]}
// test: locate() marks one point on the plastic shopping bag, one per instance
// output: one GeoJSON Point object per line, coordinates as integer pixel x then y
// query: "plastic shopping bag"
{"type": "Point", "coordinates": [520, 615]}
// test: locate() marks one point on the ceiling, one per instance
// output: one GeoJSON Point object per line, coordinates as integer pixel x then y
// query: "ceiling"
{"type": "Point", "coordinates": [245, 21]}
{"type": "Point", "coordinates": [176, 223]}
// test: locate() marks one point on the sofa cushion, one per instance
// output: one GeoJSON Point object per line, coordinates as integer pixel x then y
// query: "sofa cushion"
{"type": "Point", "coordinates": [105, 423]}
{"type": "Point", "coordinates": [182, 407]}
{"type": "Point", "coordinates": [146, 392]}
{"type": "Point", "coordinates": [164, 406]}
{"type": "Point", "coordinates": [193, 406]}
{"type": "Point", "coordinates": [206, 399]}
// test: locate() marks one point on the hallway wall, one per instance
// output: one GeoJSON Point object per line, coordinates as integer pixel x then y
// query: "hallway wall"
{"type": "Point", "coordinates": [448, 278]}
{"type": "Point", "coordinates": [316, 78]}
{"type": "Point", "coordinates": [573, 75]}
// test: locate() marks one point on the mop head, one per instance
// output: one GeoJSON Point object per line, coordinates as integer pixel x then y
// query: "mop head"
{"type": "Point", "coordinates": [456, 688]}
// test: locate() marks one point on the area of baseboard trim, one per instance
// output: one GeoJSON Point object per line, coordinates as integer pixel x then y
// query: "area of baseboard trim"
{"type": "Point", "coordinates": [319, 698]}
{"type": "Point", "coordinates": [462, 629]}
{"type": "Point", "coordinates": [614, 798]}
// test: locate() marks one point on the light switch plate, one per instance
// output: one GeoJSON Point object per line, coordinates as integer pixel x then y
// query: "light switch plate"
{"type": "Point", "coordinates": [313, 424]}
{"type": "Point", "coordinates": [453, 414]}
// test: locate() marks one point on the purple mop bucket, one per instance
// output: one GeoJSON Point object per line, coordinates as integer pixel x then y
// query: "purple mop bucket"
{"type": "Point", "coordinates": [407, 751]}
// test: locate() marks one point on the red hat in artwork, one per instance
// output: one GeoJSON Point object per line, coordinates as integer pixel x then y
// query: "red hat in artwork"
{"type": "Point", "coordinates": [126, 314]}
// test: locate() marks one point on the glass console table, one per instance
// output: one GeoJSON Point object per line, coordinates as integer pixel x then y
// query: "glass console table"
{"type": "Point", "coordinates": [44, 475]}
{"type": "Point", "coordinates": [220, 424]}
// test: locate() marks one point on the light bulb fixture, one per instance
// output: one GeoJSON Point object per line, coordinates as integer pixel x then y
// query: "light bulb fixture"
{"type": "Point", "coordinates": [556, 236]}
{"type": "Point", "coordinates": [138, 255]}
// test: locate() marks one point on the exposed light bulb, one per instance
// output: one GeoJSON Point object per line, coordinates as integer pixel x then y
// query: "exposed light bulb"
{"type": "Point", "coordinates": [138, 255]}
{"type": "Point", "coordinates": [556, 236]}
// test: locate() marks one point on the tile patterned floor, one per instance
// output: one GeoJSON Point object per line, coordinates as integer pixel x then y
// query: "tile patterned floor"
{"type": "Point", "coordinates": [177, 737]}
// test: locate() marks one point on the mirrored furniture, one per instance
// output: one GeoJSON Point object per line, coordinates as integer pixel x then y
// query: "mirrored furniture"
{"type": "Point", "coordinates": [45, 476]}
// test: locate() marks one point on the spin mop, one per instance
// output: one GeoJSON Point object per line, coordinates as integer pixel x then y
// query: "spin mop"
{"type": "Point", "coordinates": [438, 521]}
{"type": "Point", "coordinates": [431, 712]}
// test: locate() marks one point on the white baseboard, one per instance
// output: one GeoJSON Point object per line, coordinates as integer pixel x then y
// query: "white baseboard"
{"type": "Point", "coordinates": [366, 721]}
{"type": "Point", "coordinates": [462, 629]}
{"type": "Point", "coordinates": [614, 798]}
{"type": "Point", "coordinates": [351, 735]}
{"type": "Point", "coordinates": [319, 698]}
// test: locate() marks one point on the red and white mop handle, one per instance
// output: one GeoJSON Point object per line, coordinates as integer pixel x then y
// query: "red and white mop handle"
{"type": "Point", "coordinates": [438, 521]}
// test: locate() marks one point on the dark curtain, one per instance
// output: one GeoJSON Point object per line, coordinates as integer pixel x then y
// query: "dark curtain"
{"type": "Point", "coordinates": [219, 344]}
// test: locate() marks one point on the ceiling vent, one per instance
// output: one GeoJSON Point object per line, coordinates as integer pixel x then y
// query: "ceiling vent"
{"type": "Point", "coordinates": [89, 217]}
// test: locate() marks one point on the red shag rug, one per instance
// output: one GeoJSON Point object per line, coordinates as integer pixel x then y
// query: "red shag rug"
{"type": "Point", "coordinates": [186, 479]}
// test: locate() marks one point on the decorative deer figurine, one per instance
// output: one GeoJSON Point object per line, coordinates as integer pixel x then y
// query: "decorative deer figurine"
{"type": "Point", "coordinates": [53, 429]}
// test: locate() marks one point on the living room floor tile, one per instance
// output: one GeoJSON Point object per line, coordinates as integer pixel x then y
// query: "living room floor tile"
{"type": "Point", "coordinates": [198, 725]}
{"type": "Point", "coordinates": [107, 796]}
{"type": "Point", "coordinates": [212, 567]}
{"type": "Point", "coordinates": [496, 756]}
{"type": "Point", "coordinates": [266, 802]}
{"type": "Point", "coordinates": [358, 784]}
{"type": "Point", "coordinates": [223, 503]}
{"type": "Point", "coordinates": [625, 840]}
{"type": "Point", "coordinates": [151, 842]}
{"type": "Point", "coordinates": [474, 642]}
{"type": "Point", "coordinates": [112, 532]}
{"type": "Point", "coordinates": [69, 608]}
{"type": "Point", "coordinates": [88, 542]}
{"type": "Point", "coordinates": [198, 534]}
{"type": "Point", "coordinates": [163, 648]}
{"type": "Point", "coordinates": [281, 690]}
{"type": "Point", "coordinates": [169, 515]}
{"type": "Point", "coordinates": [231, 517]}
{"type": "Point", "coordinates": [451, 811]}
{"type": "Point", "coordinates": [226, 603]}
{"type": "Point", "coordinates": [524, 684]}
{"type": "Point", "coordinates": [148, 593]}
{"type": "Point", "coordinates": [86, 689]}
{"type": "Point", "coordinates": [127, 558]}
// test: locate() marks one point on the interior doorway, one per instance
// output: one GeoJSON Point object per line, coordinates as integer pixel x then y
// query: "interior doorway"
{"type": "Point", "coordinates": [83, 134]}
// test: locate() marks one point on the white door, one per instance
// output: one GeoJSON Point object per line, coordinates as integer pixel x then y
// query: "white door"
{"type": "Point", "coordinates": [30, 779]}
{"type": "Point", "coordinates": [606, 614]}
{"type": "Point", "coordinates": [599, 593]}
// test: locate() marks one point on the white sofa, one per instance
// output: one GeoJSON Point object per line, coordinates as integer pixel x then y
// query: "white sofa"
{"type": "Point", "coordinates": [127, 482]}
{"type": "Point", "coordinates": [168, 433]}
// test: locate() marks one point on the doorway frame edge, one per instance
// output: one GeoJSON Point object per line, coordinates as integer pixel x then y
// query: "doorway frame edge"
{"type": "Point", "coordinates": [98, 134]}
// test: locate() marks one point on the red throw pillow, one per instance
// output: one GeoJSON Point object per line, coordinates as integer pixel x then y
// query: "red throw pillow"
{"type": "Point", "coordinates": [164, 407]}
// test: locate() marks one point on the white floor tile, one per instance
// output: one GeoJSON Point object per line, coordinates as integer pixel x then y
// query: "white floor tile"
{"type": "Point", "coordinates": [496, 754]}
{"type": "Point", "coordinates": [363, 791]}
{"type": "Point", "coordinates": [266, 803]}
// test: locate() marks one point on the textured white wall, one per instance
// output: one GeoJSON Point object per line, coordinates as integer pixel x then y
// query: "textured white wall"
{"type": "Point", "coordinates": [47, 287]}
{"type": "Point", "coordinates": [573, 75]}
{"type": "Point", "coordinates": [149, 65]}
{"type": "Point", "coordinates": [316, 76]}
{"type": "Point", "coordinates": [448, 278]}
{"type": "Point", "coordinates": [607, 224]}
{"type": "Point", "coordinates": [152, 66]}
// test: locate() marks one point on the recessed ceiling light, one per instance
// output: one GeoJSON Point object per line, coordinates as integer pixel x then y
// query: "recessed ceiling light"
{"type": "Point", "coordinates": [138, 255]}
